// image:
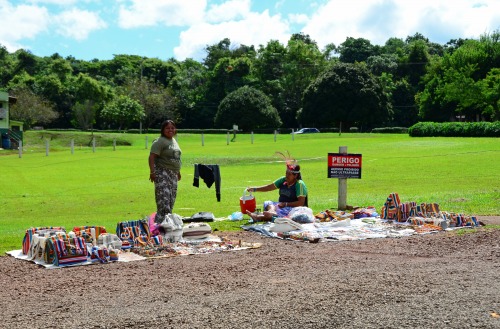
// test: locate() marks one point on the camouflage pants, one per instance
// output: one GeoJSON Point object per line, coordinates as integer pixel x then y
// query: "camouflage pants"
{"type": "Point", "coordinates": [165, 192]}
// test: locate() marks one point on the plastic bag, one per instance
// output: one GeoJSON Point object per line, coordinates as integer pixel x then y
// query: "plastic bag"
{"type": "Point", "coordinates": [302, 215]}
{"type": "Point", "coordinates": [236, 216]}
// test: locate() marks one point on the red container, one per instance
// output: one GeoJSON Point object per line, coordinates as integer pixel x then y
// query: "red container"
{"type": "Point", "coordinates": [247, 202]}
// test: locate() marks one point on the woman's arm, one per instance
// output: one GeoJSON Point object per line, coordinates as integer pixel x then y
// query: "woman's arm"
{"type": "Point", "coordinates": [265, 188]}
{"type": "Point", "coordinates": [151, 161]}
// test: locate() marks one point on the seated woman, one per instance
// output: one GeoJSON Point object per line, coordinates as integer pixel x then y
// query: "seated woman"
{"type": "Point", "coordinates": [292, 193]}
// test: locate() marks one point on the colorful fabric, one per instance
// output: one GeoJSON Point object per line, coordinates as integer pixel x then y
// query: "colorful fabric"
{"type": "Point", "coordinates": [28, 236]}
{"type": "Point", "coordinates": [61, 250]}
{"type": "Point", "coordinates": [86, 232]}
{"type": "Point", "coordinates": [128, 231]}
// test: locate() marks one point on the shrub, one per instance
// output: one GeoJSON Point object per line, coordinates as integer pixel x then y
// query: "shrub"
{"type": "Point", "coordinates": [455, 129]}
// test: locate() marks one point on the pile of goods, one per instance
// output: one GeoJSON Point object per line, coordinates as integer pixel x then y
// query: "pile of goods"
{"type": "Point", "coordinates": [423, 214]}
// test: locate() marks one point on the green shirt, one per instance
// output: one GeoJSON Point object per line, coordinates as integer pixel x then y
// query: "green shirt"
{"type": "Point", "coordinates": [168, 153]}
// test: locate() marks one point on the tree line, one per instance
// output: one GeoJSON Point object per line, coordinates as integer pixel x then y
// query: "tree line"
{"type": "Point", "coordinates": [355, 84]}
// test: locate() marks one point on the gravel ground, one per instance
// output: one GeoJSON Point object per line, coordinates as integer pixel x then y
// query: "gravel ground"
{"type": "Point", "coordinates": [440, 280]}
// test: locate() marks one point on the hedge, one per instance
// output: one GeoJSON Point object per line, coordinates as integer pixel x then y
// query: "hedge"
{"type": "Point", "coordinates": [455, 129]}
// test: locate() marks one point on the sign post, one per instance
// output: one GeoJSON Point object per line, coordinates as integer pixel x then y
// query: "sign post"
{"type": "Point", "coordinates": [343, 166]}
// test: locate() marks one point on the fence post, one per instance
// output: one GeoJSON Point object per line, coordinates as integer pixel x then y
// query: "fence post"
{"type": "Point", "coordinates": [47, 147]}
{"type": "Point", "coordinates": [146, 142]}
{"type": "Point", "coordinates": [227, 137]}
{"type": "Point", "coordinates": [72, 145]}
{"type": "Point", "coordinates": [293, 135]}
{"type": "Point", "coordinates": [342, 201]}
{"type": "Point", "coordinates": [252, 137]}
{"type": "Point", "coordinates": [93, 144]}
{"type": "Point", "coordinates": [275, 132]}
{"type": "Point", "coordinates": [202, 139]}
{"type": "Point", "coordinates": [21, 149]}
{"type": "Point", "coordinates": [114, 144]}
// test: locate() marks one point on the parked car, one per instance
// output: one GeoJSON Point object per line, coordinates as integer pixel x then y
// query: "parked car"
{"type": "Point", "coordinates": [306, 131]}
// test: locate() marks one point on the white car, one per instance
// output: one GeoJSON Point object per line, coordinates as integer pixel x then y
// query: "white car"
{"type": "Point", "coordinates": [306, 131]}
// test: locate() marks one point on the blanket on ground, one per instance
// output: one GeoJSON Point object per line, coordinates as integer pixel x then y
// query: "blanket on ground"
{"type": "Point", "coordinates": [346, 230]}
{"type": "Point", "coordinates": [209, 245]}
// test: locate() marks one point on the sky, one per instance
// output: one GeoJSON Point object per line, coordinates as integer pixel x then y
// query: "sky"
{"type": "Point", "coordinates": [180, 29]}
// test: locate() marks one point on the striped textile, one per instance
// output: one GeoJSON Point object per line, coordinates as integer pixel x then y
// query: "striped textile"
{"type": "Point", "coordinates": [128, 231]}
{"type": "Point", "coordinates": [61, 250]}
{"type": "Point", "coordinates": [28, 236]}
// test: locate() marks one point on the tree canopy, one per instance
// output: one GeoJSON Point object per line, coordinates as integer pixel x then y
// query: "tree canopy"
{"type": "Point", "coordinates": [249, 108]}
{"type": "Point", "coordinates": [413, 78]}
{"type": "Point", "coordinates": [346, 93]}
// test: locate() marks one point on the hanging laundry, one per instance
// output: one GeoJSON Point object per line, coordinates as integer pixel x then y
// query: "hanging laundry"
{"type": "Point", "coordinates": [210, 175]}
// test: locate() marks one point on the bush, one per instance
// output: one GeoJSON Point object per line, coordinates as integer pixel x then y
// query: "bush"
{"type": "Point", "coordinates": [455, 129]}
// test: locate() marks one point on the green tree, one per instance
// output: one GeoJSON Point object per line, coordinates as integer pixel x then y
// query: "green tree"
{"type": "Point", "coordinates": [122, 111]}
{"type": "Point", "coordinates": [348, 94]}
{"type": "Point", "coordinates": [31, 108]}
{"type": "Point", "coordinates": [490, 90]}
{"type": "Point", "coordinates": [91, 95]}
{"type": "Point", "coordinates": [454, 83]}
{"type": "Point", "coordinates": [354, 50]}
{"type": "Point", "coordinates": [248, 108]}
{"type": "Point", "coordinates": [156, 100]}
{"type": "Point", "coordinates": [189, 89]}
{"type": "Point", "coordinates": [302, 63]}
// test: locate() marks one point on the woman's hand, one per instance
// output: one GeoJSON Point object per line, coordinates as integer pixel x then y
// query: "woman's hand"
{"type": "Point", "coordinates": [179, 175]}
{"type": "Point", "coordinates": [152, 177]}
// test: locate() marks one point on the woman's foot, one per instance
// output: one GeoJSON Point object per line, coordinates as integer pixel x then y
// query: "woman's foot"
{"type": "Point", "coordinates": [254, 216]}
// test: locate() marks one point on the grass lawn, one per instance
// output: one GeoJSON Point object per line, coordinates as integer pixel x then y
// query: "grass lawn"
{"type": "Point", "coordinates": [111, 184]}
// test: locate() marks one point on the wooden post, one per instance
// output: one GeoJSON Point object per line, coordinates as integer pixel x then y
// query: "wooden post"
{"type": "Point", "coordinates": [46, 147]}
{"type": "Point", "coordinates": [114, 144]}
{"type": "Point", "coordinates": [72, 146]}
{"type": "Point", "coordinates": [275, 132]}
{"type": "Point", "coordinates": [252, 137]}
{"type": "Point", "coordinates": [20, 149]}
{"type": "Point", "coordinates": [293, 135]}
{"type": "Point", "coordinates": [342, 201]}
{"type": "Point", "coordinates": [93, 144]}
{"type": "Point", "coordinates": [202, 139]}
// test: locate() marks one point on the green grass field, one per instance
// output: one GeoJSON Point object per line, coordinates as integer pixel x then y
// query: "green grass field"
{"type": "Point", "coordinates": [108, 186]}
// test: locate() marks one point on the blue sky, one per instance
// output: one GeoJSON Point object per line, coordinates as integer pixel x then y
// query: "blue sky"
{"type": "Point", "coordinates": [88, 29]}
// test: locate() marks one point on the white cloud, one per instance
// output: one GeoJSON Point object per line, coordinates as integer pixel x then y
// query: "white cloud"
{"type": "Point", "coordinates": [228, 11]}
{"type": "Point", "coordinates": [21, 22]}
{"type": "Point", "coordinates": [298, 18]}
{"type": "Point", "coordinates": [254, 29]}
{"type": "Point", "coordinates": [78, 24]}
{"type": "Point", "coordinates": [378, 20]}
{"type": "Point", "coordinates": [54, 2]}
{"type": "Point", "coordinates": [167, 12]}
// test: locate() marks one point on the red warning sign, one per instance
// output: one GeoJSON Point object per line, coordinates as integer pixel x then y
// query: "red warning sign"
{"type": "Point", "coordinates": [344, 165]}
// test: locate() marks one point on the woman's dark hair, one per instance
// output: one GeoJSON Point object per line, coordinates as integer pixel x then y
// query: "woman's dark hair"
{"type": "Point", "coordinates": [164, 124]}
{"type": "Point", "coordinates": [295, 169]}
{"type": "Point", "coordinates": [299, 176]}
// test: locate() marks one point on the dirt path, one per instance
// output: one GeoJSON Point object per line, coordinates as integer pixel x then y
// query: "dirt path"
{"type": "Point", "coordinates": [440, 280]}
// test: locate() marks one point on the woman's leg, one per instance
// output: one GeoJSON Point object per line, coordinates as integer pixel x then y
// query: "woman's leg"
{"type": "Point", "coordinates": [165, 193]}
{"type": "Point", "coordinates": [267, 215]}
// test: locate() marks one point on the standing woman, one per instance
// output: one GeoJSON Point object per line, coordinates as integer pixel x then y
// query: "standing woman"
{"type": "Point", "coordinates": [165, 169]}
